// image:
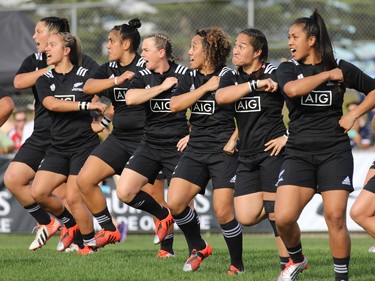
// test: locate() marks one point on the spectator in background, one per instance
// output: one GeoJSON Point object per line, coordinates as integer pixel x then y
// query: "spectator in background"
{"type": "Point", "coordinates": [16, 133]}
{"type": "Point", "coordinates": [6, 143]}
{"type": "Point", "coordinates": [360, 133]}
{"type": "Point", "coordinates": [6, 105]}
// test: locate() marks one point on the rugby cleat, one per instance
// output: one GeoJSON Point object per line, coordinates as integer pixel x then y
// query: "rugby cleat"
{"type": "Point", "coordinates": [235, 271]}
{"type": "Point", "coordinates": [86, 250]}
{"type": "Point", "coordinates": [66, 237]}
{"type": "Point", "coordinates": [161, 228]}
{"type": "Point", "coordinates": [165, 254]}
{"type": "Point", "coordinates": [292, 270]}
{"type": "Point", "coordinates": [43, 233]}
{"type": "Point", "coordinates": [105, 237]}
{"type": "Point", "coordinates": [196, 257]}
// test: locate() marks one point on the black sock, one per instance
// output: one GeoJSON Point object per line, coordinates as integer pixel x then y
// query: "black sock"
{"type": "Point", "coordinates": [296, 253]}
{"type": "Point", "coordinates": [341, 266]}
{"type": "Point", "coordinates": [283, 262]}
{"type": "Point", "coordinates": [41, 216]}
{"type": "Point", "coordinates": [188, 222]}
{"type": "Point", "coordinates": [143, 201]}
{"type": "Point", "coordinates": [67, 218]}
{"type": "Point", "coordinates": [167, 244]}
{"type": "Point", "coordinates": [78, 239]}
{"type": "Point", "coordinates": [232, 232]}
{"type": "Point", "coordinates": [104, 219]}
{"type": "Point", "coordinates": [88, 237]}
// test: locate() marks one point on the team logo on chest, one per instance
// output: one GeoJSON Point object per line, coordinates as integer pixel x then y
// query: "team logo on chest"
{"type": "Point", "coordinates": [205, 107]}
{"type": "Point", "coordinates": [160, 105]}
{"type": "Point", "coordinates": [119, 93]}
{"type": "Point", "coordinates": [248, 104]}
{"type": "Point", "coordinates": [78, 87]}
{"type": "Point", "coordinates": [317, 98]}
{"type": "Point", "coordinates": [66, 97]}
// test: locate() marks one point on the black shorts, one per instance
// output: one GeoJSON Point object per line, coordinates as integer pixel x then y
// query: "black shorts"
{"type": "Point", "coordinates": [322, 172]}
{"type": "Point", "coordinates": [115, 152]}
{"type": "Point", "coordinates": [370, 185]}
{"type": "Point", "coordinates": [199, 168]}
{"type": "Point", "coordinates": [65, 163]}
{"type": "Point", "coordinates": [149, 161]}
{"type": "Point", "coordinates": [257, 173]}
{"type": "Point", "coordinates": [33, 151]}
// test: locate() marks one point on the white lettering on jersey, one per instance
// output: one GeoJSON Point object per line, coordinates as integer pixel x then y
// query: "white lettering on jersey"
{"type": "Point", "coordinates": [160, 105]}
{"type": "Point", "coordinates": [52, 87]}
{"type": "Point", "coordinates": [119, 93]}
{"type": "Point", "coordinates": [248, 104]}
{"type": "Point", "coordinates": [66, 97]}
{"type": "Point", "coordinates": [78, 87]}
{"type": "Point", "coordinates": [204, 107]}
{"type": "Point", "coordinates": [317, 98]}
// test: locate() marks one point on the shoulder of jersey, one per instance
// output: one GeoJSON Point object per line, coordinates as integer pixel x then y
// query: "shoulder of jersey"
{"type": "Point", "coordinates": [181, 69]}
{"type": "Point", "coordinates": [269, 68]}
{"type": "Point", "coordinates": [224, 70]}
{"type": "Point", "coordinates": [82, 71]}
{"type": "Point", "coordinates": [38, 56]}
{"type": "Point", "coordinates": [141, 63]}
{"type": "Point", "coordinates": [113, 64]}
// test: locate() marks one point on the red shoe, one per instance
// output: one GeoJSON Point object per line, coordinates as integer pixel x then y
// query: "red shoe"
{"type": "Point", "coordinates": [292, 270]}
{"type": "Point", "coordinates": [104, 237]}
{"type": "Point", "coordinates": [196, 257]}
{"type": "Point", "coordinates": [86, 250]}
{"type": "Point", "coordinates": [235, 271]}
{"type": "Point", "coordinates": [44, 232]}
{"type": "Point", "coordinates": [162, 226]}
{"type": "Point", "coordinates": [165, 254]}
{"type": "Point", "coordinates": [66, 237]}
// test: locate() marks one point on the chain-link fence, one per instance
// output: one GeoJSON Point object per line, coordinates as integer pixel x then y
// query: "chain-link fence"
{"type": "Point", "coordinates": [349, 25]}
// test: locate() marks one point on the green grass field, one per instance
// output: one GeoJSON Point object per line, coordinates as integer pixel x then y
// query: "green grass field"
{"type": "Point", "coordinates": [135, 260]}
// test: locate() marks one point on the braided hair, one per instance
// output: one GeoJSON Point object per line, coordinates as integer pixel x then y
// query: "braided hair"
{"type": "Point", "coordinates": [56, 24]}
{"type": "Point", "coordinates": [162, 41]}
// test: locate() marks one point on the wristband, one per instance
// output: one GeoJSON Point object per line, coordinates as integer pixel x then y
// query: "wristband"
{"type": "Point", "coordinates": [82, 105]}
{"type": "Point", "coordinates": [253, 85]}
{"type": "Point", "coordinates": [116, 83]}
{"type": "Point", "coordinates": [105, 122]}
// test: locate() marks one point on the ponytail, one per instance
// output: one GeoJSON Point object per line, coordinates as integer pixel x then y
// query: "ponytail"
{"type": "Point", "coordinates": [315, 26]}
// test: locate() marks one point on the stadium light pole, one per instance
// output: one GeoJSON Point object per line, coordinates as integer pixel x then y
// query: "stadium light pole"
{"type": "Point", "coordinates": [250, 13]}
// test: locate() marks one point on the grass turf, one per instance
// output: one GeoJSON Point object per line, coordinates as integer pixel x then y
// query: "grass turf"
{"type": "Point", "coordinates": [135, 260]}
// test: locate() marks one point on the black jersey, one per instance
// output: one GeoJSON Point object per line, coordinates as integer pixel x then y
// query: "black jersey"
{"type": "Point", "coordinates": [258, 114]}
{"type": "Point", "coordinates": [128, 121]}
{"type": "Point", "coordinates": [314, 118]}
{"type": "Point", "coordinates": [71, 131]}
{"type": "Point", "coordinates": [212, 124]}
{"type": "Point", "coordinates": [3, 93]}
{"type": "Point", "coordinates": [163, 129]}
{"type": "Point", "coordinates": [42, 122]}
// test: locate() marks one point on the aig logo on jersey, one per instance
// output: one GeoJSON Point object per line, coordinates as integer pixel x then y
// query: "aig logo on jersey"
{"type": "Point", "coordinates": [119, 93]}
{"type": "Point", "coordinates": [248, 104]}
{"type": "Point", "coordinates": [317, 98]}
{"type": "Point", "coordinates": [66, 97]}
{"type": "Point", "coordinates": [205, 107]}
{"type": "Point", "coordinates": [78, 87]}
{"type": "Point", "coordinates": [160, 105]}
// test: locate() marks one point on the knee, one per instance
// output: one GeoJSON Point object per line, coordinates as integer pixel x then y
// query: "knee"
{"type": "Point", "coordinates": [336, 220]}
{"type": "Point", "coordinates": [224, 215]}
{"type": "Point", "coordinates": [11, 181]}
{"type": "Point", "coordinates": [124, 195]}
{"type": "Point", "coordinates": [38, 195]}
{"type": "Point", "coordinates": [84, 182]}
